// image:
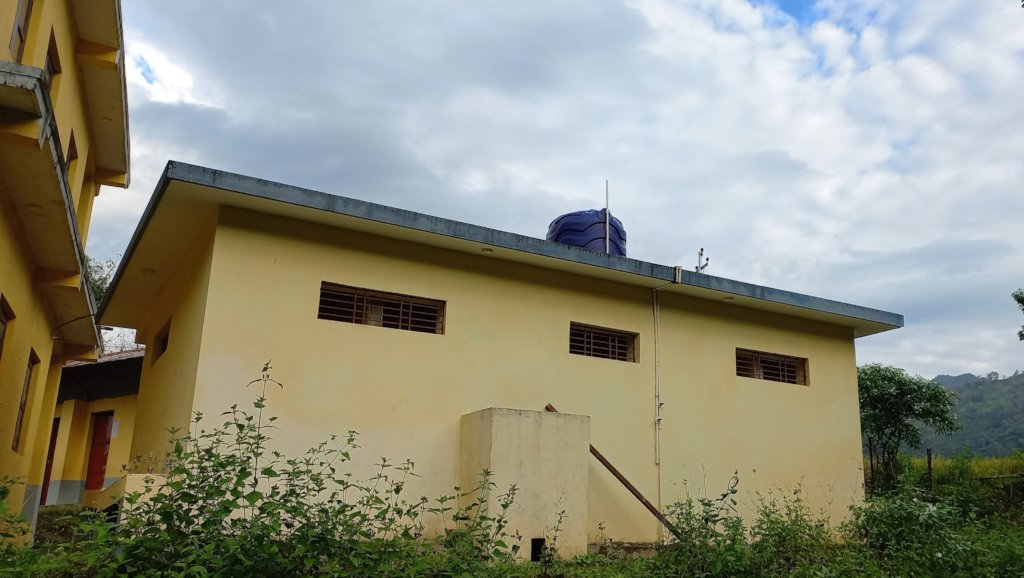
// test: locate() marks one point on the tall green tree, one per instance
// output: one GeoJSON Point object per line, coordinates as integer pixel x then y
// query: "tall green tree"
{"type": "Point", "coordinates": [1018, 296]}
{"type": "Point", "coordinates": [98, 273]}
{"type": "Point", "coordinates": [893, 407]}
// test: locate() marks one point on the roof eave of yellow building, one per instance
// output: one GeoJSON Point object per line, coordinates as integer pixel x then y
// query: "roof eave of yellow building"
{"type": "Point", "coordinates": [100, 57]}
{"type": "Point", "coordinates": [187, 195]}
{"type": "Point", "coordinates": [31, 165]}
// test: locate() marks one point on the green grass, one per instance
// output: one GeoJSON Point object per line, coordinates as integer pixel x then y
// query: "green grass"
{"type": "Point", "coordinates": [980, 467]}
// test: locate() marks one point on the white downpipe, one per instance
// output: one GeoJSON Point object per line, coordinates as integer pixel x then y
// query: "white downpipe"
{"type": "Point", "coordinates": [657, 379]}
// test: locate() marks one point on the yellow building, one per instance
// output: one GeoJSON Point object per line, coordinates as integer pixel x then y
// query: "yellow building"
{"type": "Point", "coordinates": [91, 435]}
{"type": "Point", "coordinates": [443, 342]}
{"type": "Point", "coordinates": [63, 133]}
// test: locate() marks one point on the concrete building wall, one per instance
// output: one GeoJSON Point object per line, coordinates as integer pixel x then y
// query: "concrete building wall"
{"type": "Point", "coordinates": [71, 452]}
{"type": "Point", "coordinates": [52, 36]}
{"type": "Point", "coordinates": [545, 455]}
{"type": "Point", "coordinates": [8, 9]}
{"type": "Point", "coordinates": [506, 345]}
{"type": "Point", "coordinates": [27, 333]}
{"type": "Point", "coordinates": [777, 435]}
{"type": "Point", "coordinates": [8, 12]}
{"type": "Point", "coordinates": [169, 374]}
{"type": "Point", "coordinates": [71, 455]}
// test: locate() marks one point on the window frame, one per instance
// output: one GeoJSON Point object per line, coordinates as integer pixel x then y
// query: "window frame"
{"type": "Point", "coordinates": [161, 341]}
{"type": "Point", "coordinates": [586, 349]}
{"type": "Point", "coordinates": [410, 316]}
{"type": "Point", "coordinates": [756, 361]}
{"type": "Point", "coordinates": [19, 423]}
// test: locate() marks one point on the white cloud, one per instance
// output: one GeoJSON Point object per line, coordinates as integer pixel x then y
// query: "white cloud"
{"type": "Point", "coordinates": [153, 76]}
{"type": "Point", "coordinates": [870, 156]}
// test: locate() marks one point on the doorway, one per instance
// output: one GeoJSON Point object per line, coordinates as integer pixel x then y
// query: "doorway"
{"type": "Point", "coordinates": [99, 450]}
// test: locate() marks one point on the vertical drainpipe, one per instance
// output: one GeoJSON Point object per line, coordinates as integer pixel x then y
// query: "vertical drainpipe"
{"type": "Point", "coordinates": [658, 404]}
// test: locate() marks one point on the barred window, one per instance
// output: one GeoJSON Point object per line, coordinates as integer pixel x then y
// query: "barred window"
{"type": "Point", "coordinates": [771, 366]}
{"type": "Point", "coordinates": [600, 342]}
{"type": "Point", "coordinates": [380, 309]}
{"type": "Point", "coordinates": [33, 361]}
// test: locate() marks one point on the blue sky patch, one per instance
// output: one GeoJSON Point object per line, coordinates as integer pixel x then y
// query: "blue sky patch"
{"type": "Point", "coordinates": [801, 10]}
{"type": "Point", "coordinates": [144, 68]}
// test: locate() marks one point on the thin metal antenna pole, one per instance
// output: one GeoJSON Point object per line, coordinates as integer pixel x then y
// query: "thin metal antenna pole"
{"type": "Point", "coordinates": [607, 221]}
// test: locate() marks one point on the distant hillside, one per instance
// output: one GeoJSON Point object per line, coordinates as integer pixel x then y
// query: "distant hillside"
{"type": "Point", "coordinates": [991, 411]}
{"type": "Point", "coordinates": [955, 381]}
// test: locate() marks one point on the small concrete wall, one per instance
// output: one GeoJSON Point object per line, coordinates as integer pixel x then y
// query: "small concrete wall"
{"type": "Point", "coordinates": [545, 455]}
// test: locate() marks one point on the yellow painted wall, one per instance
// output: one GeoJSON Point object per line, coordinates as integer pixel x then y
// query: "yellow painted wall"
{"type": "Point", "coordinates": [33, 326]}
{"type": "Point", "coordinates": [38, 425]}
{"type": "Point", "coordinates": [74, 437]}
{"type": "Point", "coordinates": [66, 94]}
{"type": "Point", "coordinates": [505, 345]}
{"type": "Point", "coordinates": [71, 452]}
{"type": "Point", "coordinates": [8, 11]}
{"type": "Point", "coordinates": [339, 372]}
{"type": "Point", "coordinates": [543, 454]}
{"type": "Point", "coordinates": [715, 422]}
{"type": "Point", "coordinates": [165, 399]}
{"type": "Point", "coordinates": [28, 331]}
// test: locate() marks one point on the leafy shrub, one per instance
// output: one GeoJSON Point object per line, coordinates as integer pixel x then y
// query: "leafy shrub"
{"type": "Point", "coordinates": [910, 536]}
{"type": "Point", "coordinates": [785, 536]}
{"type": "Point", "coordinates": [473, 537]}
{"type": "Point", "coordinates": [12, 526]}
{"type": "Point", "coordinates": [714, 537]}
{"type": "Point", "coordinates": [56, 525]}
{"type": "Point", "coordinates": [229, 506]}
{"type": "Point", "coordinates": [13, 530]}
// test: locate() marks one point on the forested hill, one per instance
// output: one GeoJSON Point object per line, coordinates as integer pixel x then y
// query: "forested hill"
{"type": "Point", "coordinates": [991, 411]}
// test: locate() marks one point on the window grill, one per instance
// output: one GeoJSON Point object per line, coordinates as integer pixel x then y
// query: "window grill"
{"type": "Point", "coordinates": [771, 367]}
{"type": "Point", "coordinates": [599, 342]}
{"type": "Point", "coordinates": [380, 309]}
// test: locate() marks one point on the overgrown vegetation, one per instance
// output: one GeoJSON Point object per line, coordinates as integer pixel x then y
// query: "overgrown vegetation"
{"type": "Point", "coordinates": [98, 274]}
{"type": "Point", "coordinates": [229, 506]}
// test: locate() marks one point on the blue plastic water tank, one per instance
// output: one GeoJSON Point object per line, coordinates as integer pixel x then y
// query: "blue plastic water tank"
{"type": "Point", "coordinates": [586, 229]}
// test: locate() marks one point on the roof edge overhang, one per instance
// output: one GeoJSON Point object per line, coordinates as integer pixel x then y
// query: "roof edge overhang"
{"type": "Point", "coordinates": [100, 56]}
{"type": "Point", "coordinates": [31, 163]}
{"type": "Point", "coordinates": [230, 189]}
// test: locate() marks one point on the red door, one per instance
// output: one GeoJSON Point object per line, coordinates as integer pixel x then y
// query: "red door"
{"type": "Point", "coordinates": [49, 460]}
{"type": "Point", "coordinates": [101, 424]}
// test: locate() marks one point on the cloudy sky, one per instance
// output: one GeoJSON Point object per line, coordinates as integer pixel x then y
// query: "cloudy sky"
{"type": "Point", "coordinates": [867, 151]}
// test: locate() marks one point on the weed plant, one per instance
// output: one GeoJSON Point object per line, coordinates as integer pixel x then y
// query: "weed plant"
{"type": "Point", "coordinates": [227, 505]}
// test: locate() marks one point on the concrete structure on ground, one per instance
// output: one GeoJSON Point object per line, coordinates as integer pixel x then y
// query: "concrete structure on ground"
{"type": "Point", "coordinates": [63, 134]}
{"type": "Point", "coordinates": [405, 327]}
